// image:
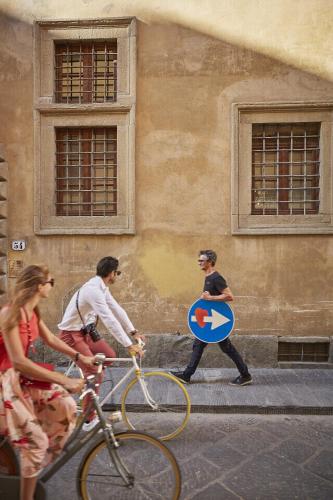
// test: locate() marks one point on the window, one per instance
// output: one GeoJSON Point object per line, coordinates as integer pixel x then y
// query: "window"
{"type": "Point", "coordinates": [86, 171]}
{"type": "Point", "coordinates": [85, 92]}
{"type": "Point", "coordinates": [282, 169]}
{"type": "Point", "coordinates": [285, 169]}
{"type": "Point", "coordinates": [304, 351]}
{"type": "Point", "coordinates": [85, 71]}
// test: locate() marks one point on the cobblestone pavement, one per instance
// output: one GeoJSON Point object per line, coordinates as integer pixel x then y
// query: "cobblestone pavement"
{"type": "Point", "coordinates": [248, 457]}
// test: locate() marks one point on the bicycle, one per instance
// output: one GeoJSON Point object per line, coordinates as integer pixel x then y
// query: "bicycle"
{"type": "Point", "coordinates": [123, 465]}
{"type": "Point", "coordinates": [156, 392]}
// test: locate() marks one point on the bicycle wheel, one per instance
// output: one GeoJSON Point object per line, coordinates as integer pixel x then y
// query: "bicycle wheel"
{"type": "Point", "coordinates": [151, 464]}
{"type": "Point", "coordinates": [172, 405]}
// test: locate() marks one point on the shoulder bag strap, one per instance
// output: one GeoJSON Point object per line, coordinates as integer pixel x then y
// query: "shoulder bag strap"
{"type": "Point", "coordinates": [78, 310]}
{"type": "Point", "coordinates": [77, 306]}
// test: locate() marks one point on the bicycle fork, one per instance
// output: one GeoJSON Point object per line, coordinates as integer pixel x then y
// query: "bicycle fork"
{"type": "Point", "coordinates": [112, 444]}
{"type": "Point", "coordinates": [145, 391]}
{"type": "Point", "coordinates": [121, 468]}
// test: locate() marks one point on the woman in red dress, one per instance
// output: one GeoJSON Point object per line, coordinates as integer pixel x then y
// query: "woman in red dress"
{"type": "Point", "coordinates": [37, 417]}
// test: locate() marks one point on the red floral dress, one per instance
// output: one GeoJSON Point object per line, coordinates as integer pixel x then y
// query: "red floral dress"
{"type": "Point", "coordinates": [36, 421]}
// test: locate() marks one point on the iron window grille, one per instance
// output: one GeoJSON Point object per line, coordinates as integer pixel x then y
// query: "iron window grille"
{"type": "Point", "coordinates": [86, 171]}
{"type": "Point", "coordinates": [285, 169]}
{"type": "Point", "coordinates": [86, 72]}
{"type": "Point", "coordinates": [317, 352]}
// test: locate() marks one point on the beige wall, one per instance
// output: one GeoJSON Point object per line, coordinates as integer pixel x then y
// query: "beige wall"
{"type": "Point", "coordinates": [186, 84]}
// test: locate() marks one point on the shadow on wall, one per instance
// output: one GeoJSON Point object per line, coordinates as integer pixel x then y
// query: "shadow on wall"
{"type": "Point", "coordinates": [282, 30]}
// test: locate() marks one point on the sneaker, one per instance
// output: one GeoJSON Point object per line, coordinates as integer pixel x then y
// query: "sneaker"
{"type": "Point", "coordinates": [181, 377]}
{"type": "Point", "coordinates": [115, 416]}
{"type": "Point", "coordinates": [87, 426]}
{"type": "Point", "coordinates": [242, 380]}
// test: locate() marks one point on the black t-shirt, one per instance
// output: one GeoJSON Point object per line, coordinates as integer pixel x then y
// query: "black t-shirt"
{"type": "Point", "coordinates": [215, 284]}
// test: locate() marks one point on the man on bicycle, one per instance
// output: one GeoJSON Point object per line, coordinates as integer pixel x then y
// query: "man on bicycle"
{"type": "Point", "coordinates": [91, 302]}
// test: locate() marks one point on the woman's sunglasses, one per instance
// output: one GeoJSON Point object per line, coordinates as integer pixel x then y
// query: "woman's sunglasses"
{"type": "Point", "coordinates": [50, 281]}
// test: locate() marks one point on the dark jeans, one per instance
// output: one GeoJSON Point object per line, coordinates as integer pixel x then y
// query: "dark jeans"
{"type": "Point", "coordinates": [226, 346]}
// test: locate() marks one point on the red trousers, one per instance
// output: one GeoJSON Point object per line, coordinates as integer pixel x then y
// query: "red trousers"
{"type": "Point", "coordinates": [84, 345]}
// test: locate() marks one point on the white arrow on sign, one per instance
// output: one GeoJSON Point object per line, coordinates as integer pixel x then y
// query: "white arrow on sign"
{"type": "Point", "coordinates": [216, 319]}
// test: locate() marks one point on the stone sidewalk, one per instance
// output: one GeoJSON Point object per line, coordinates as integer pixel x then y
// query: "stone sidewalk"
{"type": "Point", "coordinates": [245, 455]}
{"type": "Point", "coordinates": [241, 457]}
{"type": "Point", "coordinates": [256, 457]}
{"type": "Point", "coordinates": [293, 391]}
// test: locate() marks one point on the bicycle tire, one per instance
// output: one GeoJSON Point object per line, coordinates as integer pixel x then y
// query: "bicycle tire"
{"type": "Point", "coordinates": [9, 464]}
{"type": "Point", "coordinates": [154, 468]}
{"type": "Point", "coordinates": [134, 406]}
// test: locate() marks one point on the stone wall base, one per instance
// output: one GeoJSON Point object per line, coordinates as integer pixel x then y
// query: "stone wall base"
{"type": "Point", "coordinates": [174, 351]}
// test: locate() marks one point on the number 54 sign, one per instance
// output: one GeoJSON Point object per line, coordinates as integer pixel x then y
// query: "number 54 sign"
{"type": "Point", "coordinates": [18, 245]}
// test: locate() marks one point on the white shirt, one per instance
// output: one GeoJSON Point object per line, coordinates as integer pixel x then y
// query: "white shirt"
{"type": "Point", "coordinates": [95, 299]}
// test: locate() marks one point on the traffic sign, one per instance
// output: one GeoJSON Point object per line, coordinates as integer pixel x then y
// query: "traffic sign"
{"type": "Point", "coordinates": [210, 320]}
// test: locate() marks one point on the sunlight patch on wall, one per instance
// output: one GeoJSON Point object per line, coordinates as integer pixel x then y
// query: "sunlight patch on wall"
{"type": "Point", "coordinates": [170, 271]}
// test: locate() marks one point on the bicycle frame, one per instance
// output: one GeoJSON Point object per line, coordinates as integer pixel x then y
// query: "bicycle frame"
{"type": "Point", "coordinates": [75, 444]}
{"type": "Point", "coordinates": [135, 369]}
{"type": "Point", "coordinates": [107, 441]}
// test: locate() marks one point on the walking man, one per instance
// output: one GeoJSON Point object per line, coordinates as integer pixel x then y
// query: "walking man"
{"type": "Point", "coordinates": [215, 288]}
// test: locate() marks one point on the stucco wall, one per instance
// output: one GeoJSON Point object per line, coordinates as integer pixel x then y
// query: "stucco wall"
{"type": "Point", "coordinates": [186, 84]}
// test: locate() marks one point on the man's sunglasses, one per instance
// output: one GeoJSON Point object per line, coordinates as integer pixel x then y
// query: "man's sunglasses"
{"type": "Point", "coordinates": [202, 260]}
{"type": "Point", "coordinates": [118, 273]}
{"type": "Point", "coordinates": [51, 282]}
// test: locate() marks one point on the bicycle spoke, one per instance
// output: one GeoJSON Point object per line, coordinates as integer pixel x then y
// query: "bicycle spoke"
{"type": "Point", "coordinates": [168, 397]}
{"type": "Point", "coordinates": [154, 471]}
{"type": "Point", "coordinates": [98, 484]}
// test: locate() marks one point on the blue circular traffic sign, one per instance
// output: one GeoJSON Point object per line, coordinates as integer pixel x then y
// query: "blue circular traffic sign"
{"type": "Point", "coordinates": [211, 321]}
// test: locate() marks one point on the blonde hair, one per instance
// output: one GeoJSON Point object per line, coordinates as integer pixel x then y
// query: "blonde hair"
{"type": "Point", "coordinates": [25, 288]}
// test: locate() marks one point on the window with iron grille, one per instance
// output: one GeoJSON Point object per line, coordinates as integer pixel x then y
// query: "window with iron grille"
{"type": "Point", "coordinates": [84, 103]}
{"type": "Point", "coordinates": [282, 176]}
{"type": "Point", "coordinates": [86, 71]}
{"type": "Point", "coordinates": [317, 352]}
{"type": "Point", "coordinates": [86, 171]}
{"type": "Point", "coordinates": [285, 168]}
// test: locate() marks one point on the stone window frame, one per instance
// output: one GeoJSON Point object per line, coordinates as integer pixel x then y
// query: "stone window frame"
{"type": "Point", "coordinates": [48, 114]}
{"type": "Point", "coordinates": [243, 116]}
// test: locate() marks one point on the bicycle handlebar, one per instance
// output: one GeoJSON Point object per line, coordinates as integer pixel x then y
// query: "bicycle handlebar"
{"type": "Point", "coordinates": [100, 358]}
